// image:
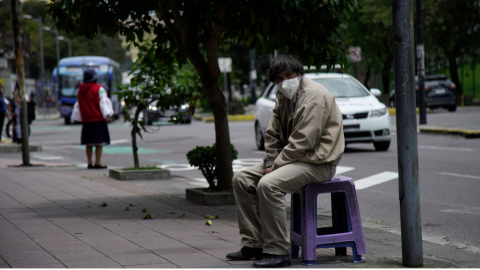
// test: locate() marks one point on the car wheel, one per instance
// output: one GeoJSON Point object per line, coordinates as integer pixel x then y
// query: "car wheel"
{"type": "Point", "coordinates": [67, 120]}
{"type": "Point", "coordinates": [259, 140]}
{"type": "Point", "coordinates": [452, 108]}
{"type": "Point", "coordinates": [381, 146]}
{"type": "Point", "coordinates": [391, 102]}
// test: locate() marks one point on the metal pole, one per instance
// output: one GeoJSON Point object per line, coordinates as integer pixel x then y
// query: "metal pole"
{"type": "Point", "coordinates": [407, 152]}
{"type": "Point", "coordinates": [421, 65]}
{"type": "Point", "coordinates": [474, 66]}
{"type": "Point", "coordinates": [253, 82]}
{"type": "Point", "coordinates": [58, 47]}
{"type": "Point", "coordinates": [42, 67]}
{"type": "Point", "coordinates": [69, 47]}
{"type": "Point", "coordinates": [21, 82]}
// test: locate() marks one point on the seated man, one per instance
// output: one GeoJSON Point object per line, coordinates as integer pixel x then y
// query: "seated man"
{"type": "Point", "coordinates": [303, 144]}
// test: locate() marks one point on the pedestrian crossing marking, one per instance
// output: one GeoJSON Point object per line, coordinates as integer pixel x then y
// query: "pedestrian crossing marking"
{"type": "Point", "coordinates": [375, 179]}
{"type": "Point", "coordinates": [344, 169]}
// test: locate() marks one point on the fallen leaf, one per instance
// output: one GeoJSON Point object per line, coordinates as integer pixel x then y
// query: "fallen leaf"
{"type": "Point", "coordinates": [131, 205]}
{"type": "Point", "coordinates": [144, 210]}
{"type": "Point", "coordinates": [148, 217]}
{"type": "Point", "coordinates": [127, 209]}
{"type": "Point", "coordinates": [182, 216]}
{"type": "Point", "coordinates": [377, 221]}
{"type": "Point", "coordinates": [104, 204]}
{"type": "Point", "coordinates": [88, 205]}
{"type": "Point", "coordinates": [209, 223]}
{"type": "Point", "coordinates": [211, 232]}
{"type": "Point", "coordinates": [170, 212]}
{"type": "Point", "coordinates": [211, 217]}
{"type": "Point", "coordinates": [221, 208]}
{"type": "Point", "coordinates": [22, 204]}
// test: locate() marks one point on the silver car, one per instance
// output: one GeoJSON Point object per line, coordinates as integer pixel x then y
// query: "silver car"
{"type": "Point", "coordinates": [365, 119]}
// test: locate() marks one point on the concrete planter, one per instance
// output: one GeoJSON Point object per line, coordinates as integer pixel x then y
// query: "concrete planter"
{"type": "Point", "coordinates": [201, 196]}
{"type": "Point", "coordinates": [159, 174]}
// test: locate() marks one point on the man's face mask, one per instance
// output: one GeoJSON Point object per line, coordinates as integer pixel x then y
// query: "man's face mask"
{"type": "Point", "coordinates": [289, 87]}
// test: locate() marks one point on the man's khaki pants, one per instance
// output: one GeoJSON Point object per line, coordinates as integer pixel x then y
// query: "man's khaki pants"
{"type": "Point", "coordinates": [260, 201]}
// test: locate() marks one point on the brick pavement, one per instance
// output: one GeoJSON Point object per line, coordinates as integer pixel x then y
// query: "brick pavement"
{"type": "Point", "coordinates": [53, 218]}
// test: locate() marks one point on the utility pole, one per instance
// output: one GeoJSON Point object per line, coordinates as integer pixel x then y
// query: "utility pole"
{"type": "Point", "coordinates": [421, 65]}
{"type": "Point", "coordinates": [21, 81]}
{"type": "Point", "coordinates": [407, 144]}
{"type": "Point", "coordinates": [253, 76]}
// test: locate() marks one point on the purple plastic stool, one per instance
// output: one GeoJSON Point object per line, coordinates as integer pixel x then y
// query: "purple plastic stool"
{"type": "Point", "coordinates": [347, 228]}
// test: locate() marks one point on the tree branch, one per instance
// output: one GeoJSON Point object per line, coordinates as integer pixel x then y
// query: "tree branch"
{"type": "Point", "coordinates": [168, 23]}
{"type": "Point", "coordinates": [213, 40]}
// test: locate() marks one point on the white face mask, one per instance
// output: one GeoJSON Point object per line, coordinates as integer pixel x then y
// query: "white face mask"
{"type": "Point", "coordinates": [289, 87]}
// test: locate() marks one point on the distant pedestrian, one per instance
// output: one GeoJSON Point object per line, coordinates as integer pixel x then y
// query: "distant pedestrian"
{"type": "Point", "coordinates": [3, 112]}
{"type": "Point", "coordinates": [94, 110]}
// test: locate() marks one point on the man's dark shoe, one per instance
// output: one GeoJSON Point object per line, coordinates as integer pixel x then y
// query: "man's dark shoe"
{"type": "Point", "coordinates": [273, 261]}
{"type": "Point", "coordinates": [246, 253]}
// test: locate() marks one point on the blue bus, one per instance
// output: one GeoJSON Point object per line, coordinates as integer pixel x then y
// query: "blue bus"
{"type": "Point", "coordinates": [68, 76]}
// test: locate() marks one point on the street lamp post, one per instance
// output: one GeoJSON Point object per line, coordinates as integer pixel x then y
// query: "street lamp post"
{"type": "Point", "coordinates": [55, 31]}
{"type": "Point", "coordinates": [69, 44]}
{"type": "Point", "coordinates": [42, 65]}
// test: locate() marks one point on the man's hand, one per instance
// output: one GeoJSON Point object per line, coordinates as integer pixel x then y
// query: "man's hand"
{"type": "Point", "coordinates": [267, 171]}
{"type": "Point", "coordinates": [109, 119]}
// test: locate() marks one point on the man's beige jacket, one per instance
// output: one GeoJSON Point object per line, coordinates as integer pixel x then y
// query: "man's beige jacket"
{"type": "Point", "coordinates": [308, 128]}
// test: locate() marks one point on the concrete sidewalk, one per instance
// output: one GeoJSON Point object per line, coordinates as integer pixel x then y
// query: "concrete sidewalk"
{"type": "Point", "coordinates": [52, 217]}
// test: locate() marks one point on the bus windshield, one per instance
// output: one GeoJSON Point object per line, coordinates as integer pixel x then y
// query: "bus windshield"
{"type": "Point", "coordinates": [70, 79]}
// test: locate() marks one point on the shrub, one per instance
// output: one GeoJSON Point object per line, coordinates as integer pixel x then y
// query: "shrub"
{"type": "Point", "coordinates": [205, 158]}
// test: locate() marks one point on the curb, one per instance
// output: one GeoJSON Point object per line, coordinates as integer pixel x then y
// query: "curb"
{"type": "Point", "coordinates": [393, 111]}
{"type": "Point", "coordinates": [469, 134]}
{"type": "Point", "coordinates": [231, 118]}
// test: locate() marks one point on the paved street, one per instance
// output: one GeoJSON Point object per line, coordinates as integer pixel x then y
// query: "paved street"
{"type": "Point", "coordinates": [449, 179]}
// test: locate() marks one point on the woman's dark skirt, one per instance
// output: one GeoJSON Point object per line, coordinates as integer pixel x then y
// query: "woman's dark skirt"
{"type": "Point", "coordinates": [95, 133]}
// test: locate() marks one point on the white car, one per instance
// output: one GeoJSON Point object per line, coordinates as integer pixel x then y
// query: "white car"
{"type": "Point", "coordinates": [365, 119]}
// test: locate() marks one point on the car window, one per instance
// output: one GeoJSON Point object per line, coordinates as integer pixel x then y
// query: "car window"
{"type": "Point", "coordinates": [343, 88]}
{"type": "Point", "coordinates": [272, 94]}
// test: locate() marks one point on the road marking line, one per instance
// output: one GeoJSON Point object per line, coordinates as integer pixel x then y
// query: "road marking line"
{"type": "Point", "coordinates": [375, 180]}
{"type": "Point", "coordinates": [471, 211]}
{"type": "Point", "coordinates": [445, 148]}
{"type": "Point", "coordinates": [343, 169]}
{"type": "Point", "coordinates": [200, 179]}
{"type": "Point", "coordinates": [42, 157]}
{"type": "Point", "coordinates": [119, 141]}
{"type": "Point", "coordinates": [460, 175]}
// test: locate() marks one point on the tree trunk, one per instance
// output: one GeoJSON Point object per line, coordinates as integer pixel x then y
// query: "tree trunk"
{"type": "Point", "coordinates": [20, 79]}
{"type": "Point", "coordinates": [453, 68]}
{"type": "Point", "coordinates": [366, 82]}
{"type": "Point", "coordinates": [386, 76]}
{"type": "Point", "coordinates": [229, 87]}
{"type": "Point", "coordinates": [134, 131]}
{"type": "Point", "coordinates": [222, 136]}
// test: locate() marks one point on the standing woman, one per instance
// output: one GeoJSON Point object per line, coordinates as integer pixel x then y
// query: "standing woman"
{"type": "Point", "coordinates": [94, 110]}
{"type": "Point", "coordinates": [3, 112]}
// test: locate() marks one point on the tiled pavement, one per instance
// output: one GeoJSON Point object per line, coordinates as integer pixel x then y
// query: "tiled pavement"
{"type": "Point", "coordinates": [54, 219]}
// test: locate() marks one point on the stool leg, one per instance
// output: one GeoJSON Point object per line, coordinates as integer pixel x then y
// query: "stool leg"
{"type": "Point", "coordinates": [356, 258]}
{"type": "Point", "coordinates": [309, 227]}
{"type": "Point", "coordinates": [294, 250]}
{"type": "Point", "coordinates": [339, 218]}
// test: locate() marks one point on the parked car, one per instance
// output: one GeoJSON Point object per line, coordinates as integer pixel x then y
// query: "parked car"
{"type": "Point", "coordinates": [365, 119]}
{"type": "Point", "coordinates": [153, 114]}
{"type": "Point", "coordinates": [439, 92]}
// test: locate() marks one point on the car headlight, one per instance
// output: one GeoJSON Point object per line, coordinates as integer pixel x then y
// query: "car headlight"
{"type": "Point", "coordinates": [377, 113]}
{"type": "Point", "coordinates": [153, 108]}
{"type": "Point", "coordinates": [185, 106]}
